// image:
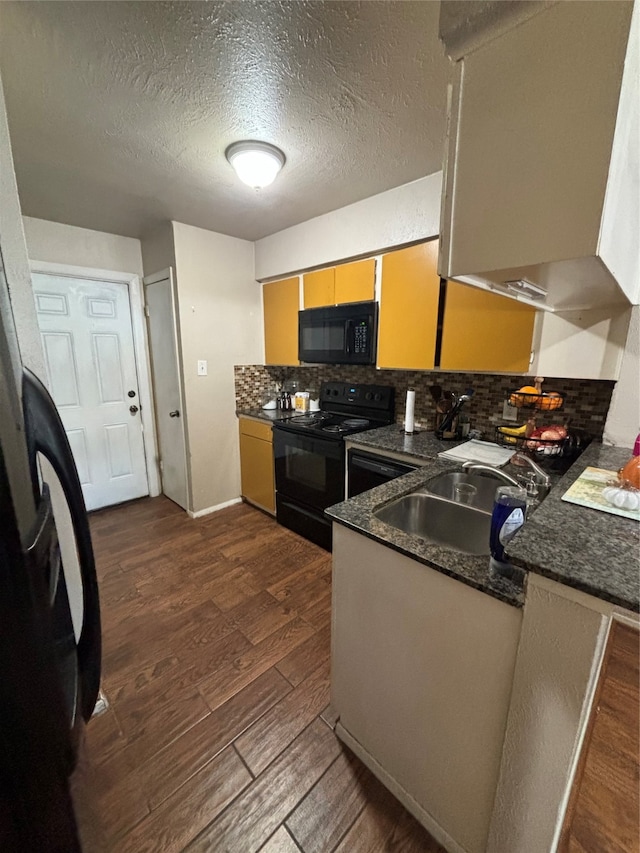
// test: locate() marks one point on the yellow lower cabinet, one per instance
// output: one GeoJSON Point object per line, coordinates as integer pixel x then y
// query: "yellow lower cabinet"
{"type": "Point", "coordinates": [356, 282]}
{"type": "Point", "coordinates": [256, 464]}
{"type": "Point", "coordinates": [485, 331]}
{"type": "Point", "coordinates": [281, 302]}
{"type": "Point", "coordinates": [409, 308]}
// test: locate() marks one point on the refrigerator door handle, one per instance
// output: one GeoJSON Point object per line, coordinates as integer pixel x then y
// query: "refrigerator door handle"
{"type": "Point", "coordinates": [46, 435]}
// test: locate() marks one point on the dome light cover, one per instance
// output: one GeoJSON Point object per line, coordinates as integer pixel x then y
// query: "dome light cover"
{"type": "Point", "coordinates": [256, 163]}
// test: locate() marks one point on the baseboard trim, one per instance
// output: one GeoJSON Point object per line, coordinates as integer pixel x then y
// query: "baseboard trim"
{"type": "Point", "coordinates": [215, 508]}
{"type": "Point", "coordinates": [422, 816]}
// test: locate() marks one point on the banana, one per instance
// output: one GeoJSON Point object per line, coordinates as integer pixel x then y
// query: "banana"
{"type": "Point", "coordinates": [515, 431]}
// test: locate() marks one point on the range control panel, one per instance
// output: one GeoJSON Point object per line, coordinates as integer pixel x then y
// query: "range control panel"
{"type": "Point", "coordinates": [379, 397]}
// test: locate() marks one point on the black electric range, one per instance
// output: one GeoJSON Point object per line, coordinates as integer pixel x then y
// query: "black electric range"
{"type": "Point", "coordinates": [310, 457]}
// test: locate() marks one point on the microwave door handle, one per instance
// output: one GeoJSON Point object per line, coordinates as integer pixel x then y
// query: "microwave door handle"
{"type": "Point", "coordinates": [348, 335]}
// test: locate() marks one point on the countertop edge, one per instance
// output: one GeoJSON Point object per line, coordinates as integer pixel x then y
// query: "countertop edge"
{"type": "Point", "coordinates": [357, 514]}
{"type": "Point", "coordinates": [606, 565]}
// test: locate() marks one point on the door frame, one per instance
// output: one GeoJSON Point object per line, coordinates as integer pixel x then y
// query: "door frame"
{"type": "Point", "coordinates": [154, 278]}
{"type": "Point", "coordinates": [140, 347]}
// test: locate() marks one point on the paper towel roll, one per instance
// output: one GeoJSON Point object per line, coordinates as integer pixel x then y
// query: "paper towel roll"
{"type": "Point", "coordinates": [409, 411]}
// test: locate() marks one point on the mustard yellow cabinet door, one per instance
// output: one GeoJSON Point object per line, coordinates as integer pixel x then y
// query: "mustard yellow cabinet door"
{"type": "Point", "coordinates": [319, 288]}
{"type": "Point", "coordinates": [256, 471]}
{"type": "Point", "coordinates": [356, 282]}
{"type": "Point", "coordinates": [281, 303]}
{"type": "Point", "coordinates": [485, 331]}
{"type": "Point", "coordinates": [409, 307]}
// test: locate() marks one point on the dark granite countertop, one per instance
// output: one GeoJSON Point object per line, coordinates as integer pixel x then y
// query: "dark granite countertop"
{"type": "Point", "coordinates": [590, 550]}
{"type": "Point", "coordinates": [357, 513]}
{"type": "Point", "coordinates": [421, 445]}
{"type": "Point", "coordinates": [270, 415]}
{"type": "Point", "coordinates": [593, 551]}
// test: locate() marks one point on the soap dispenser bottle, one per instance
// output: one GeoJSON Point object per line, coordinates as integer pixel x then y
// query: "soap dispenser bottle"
{"type": "Point", "coordinates": [509, 513]}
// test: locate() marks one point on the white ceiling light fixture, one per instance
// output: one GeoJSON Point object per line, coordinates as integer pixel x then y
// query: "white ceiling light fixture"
{"type": "Point", "coordinates": [256, 163]}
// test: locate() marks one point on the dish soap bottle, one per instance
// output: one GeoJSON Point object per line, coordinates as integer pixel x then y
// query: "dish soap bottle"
{"type": "Point", "coordinates": [509, 511]}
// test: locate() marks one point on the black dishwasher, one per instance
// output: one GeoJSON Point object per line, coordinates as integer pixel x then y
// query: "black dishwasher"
{"type": "Point", "coordinates": [367, 470]}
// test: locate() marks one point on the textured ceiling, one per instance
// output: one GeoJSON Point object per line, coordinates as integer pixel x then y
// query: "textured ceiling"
{"type": "Point", "coordinates": [120, 112]}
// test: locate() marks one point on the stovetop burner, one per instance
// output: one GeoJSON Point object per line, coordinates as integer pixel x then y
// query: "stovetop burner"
{"type": "Point", "coordinates": [356, 423]}
{"type": "Point", "coordinates": [306, 420]}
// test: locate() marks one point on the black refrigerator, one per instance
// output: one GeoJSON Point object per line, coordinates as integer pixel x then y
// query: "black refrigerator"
{"type": "Point", "coordinates": [49, 680]}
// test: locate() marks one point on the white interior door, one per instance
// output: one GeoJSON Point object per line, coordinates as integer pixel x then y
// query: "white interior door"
{"type": "Point", "coordinates": [163, 343]}
{"type": "Point", "coordinates": [89, 354]}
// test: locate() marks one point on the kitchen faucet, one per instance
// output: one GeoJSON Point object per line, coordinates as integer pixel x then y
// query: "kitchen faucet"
{"type": "Point", "coordinates": [470, 465]}
{"type": "Point", "coordinates": [542, 478]}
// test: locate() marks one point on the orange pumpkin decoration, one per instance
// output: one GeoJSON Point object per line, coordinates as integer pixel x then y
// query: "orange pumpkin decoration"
{"type": "Point", "coordinates": [630, 473]}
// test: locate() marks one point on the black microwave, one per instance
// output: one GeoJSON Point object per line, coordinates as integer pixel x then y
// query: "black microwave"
{"type": "Point", "coordinates": [339, 334]}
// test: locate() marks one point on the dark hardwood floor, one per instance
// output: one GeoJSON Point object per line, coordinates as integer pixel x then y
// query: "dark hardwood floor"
{"type": "Point", "coordinates": [216, 664]}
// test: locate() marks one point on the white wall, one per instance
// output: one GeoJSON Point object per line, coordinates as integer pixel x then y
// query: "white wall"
{"type": "Point", "coordinates": [158, 251]}
{"type": "Point", "coordinates": [623, 421]}
{"type": "Point", "coordinates": [65, 244]}
{"type": "Point", "coordinates": [14, 251]}
{"type": "Point", "coordinates": [404, 214]}
{"type": "Point", "coordinates": [220, 321]}
{"type": "Point", "coordinates": [585, 344]}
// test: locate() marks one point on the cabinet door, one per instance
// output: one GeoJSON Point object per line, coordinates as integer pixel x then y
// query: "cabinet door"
{"type": "Point", "coordinates": [409, 307]}
{"type": "Point", "coordinates": [356, 282]}
{"type": "Point", "coordinates": [281, 302]}
{"type": "Point", "coordinates": [485, 331]}
{"type": "Point", "coordinates": [604, 804]}
{"type": "Point", "coordinates": [256, 470]}
{"type": "Point", "coordinates": [319, 288]}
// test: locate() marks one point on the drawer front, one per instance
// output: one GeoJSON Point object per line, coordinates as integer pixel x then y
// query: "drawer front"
{"type": "Point", "coordinates": [258, 429]}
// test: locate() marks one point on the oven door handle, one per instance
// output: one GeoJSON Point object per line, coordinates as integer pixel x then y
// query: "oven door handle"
{"type": "Point", "coordinates": [284, 439]}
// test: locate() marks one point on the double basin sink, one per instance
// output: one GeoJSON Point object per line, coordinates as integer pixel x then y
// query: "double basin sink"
{"type": "Point", "coordinates": [452, 509]}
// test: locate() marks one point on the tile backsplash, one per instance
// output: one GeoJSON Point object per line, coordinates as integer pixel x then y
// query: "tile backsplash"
{"type": "Point", "coordinates": [586, 400]}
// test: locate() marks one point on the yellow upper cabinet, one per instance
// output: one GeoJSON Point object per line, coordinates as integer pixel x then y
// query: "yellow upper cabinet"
{"type": "Point", "coordinates": [409, 307]}
{"type": "Point", "coordinates": [319, 288]}
{"type": "Point", "coordinates": [485, 331]}
{"type": "Point", "coordinates": [356, 282]}
{"type": "Point", "coordinates": [281, 301]}
{"type": "Point", "coordinates": [353, 282]}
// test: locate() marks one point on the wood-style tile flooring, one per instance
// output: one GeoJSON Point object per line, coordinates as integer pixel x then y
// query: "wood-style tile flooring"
{"type": "Point", "coordinates": [216, 637]}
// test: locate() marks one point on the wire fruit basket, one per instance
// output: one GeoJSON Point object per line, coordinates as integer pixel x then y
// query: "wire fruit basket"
{"type": "Point", "coordinates": [570, 445]}
{"type": "Point", "coordinates": [544, 401]}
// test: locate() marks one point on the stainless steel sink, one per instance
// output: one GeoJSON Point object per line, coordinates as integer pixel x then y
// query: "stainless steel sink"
{"type": "Point", "coordinates": [476, 490]}
{"type": "Point", "coordinates": [459, 526]}
{"type": "Point", "coordinates": [452, 509]}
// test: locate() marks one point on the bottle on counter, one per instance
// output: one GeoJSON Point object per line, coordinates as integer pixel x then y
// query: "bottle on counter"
{"type": "Point", "coordinates": [509, 514]}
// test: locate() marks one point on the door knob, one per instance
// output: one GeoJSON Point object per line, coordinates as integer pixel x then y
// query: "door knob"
{"type": "Point", "coordinates": [133, 409]}
{"type": "Point", "coordinates": [175, 414]}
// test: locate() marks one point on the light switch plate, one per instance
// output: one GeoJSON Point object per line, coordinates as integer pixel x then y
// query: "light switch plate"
{"type": "Point", "coordinates": [202, 367]}
{"type": "Point", "coordinates": [509, 413]}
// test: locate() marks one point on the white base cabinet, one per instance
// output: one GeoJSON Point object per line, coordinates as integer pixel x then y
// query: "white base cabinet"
{"type": "Point", "coordinates": [422, 669]}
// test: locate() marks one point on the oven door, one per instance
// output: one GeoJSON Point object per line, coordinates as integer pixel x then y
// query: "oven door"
{"type": "Point", "coordinates": [308, 468]}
